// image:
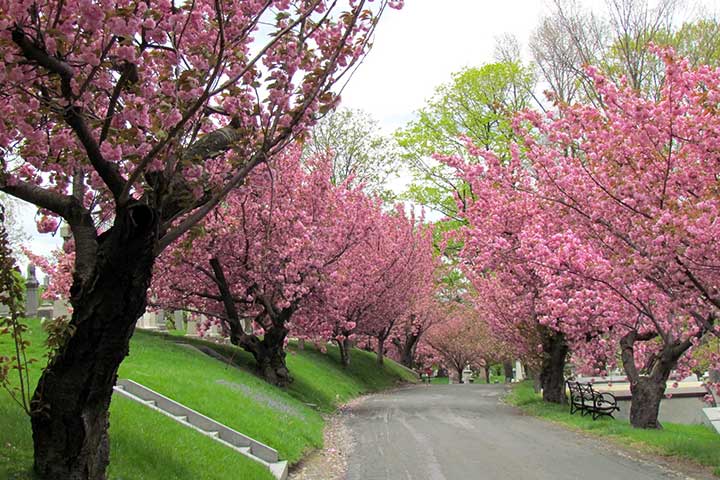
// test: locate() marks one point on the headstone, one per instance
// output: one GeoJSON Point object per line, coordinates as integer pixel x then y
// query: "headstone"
{"type": "Point", "coordinates": [191, 327]}
{"type": "Point", "coordinates": [214, 331]}
{"type": "Point", "coordinates": [466, 375]}
{"type": "Point", "coordinates": [160, 320]}
{"type": "Point", "coordinates": [45, 312]}
{"type": "Point", "coordinates": [148, 321]}
{"type": "Point", "coordinates": [178, 319]}
{"type": "Point", "coordinates": [60, 309]}
{"type": "Point", "coordinates": [519, 372]}
{"type": "Point", "coordinates": [32, 293]}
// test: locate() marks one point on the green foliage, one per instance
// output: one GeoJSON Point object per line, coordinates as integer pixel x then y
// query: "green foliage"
{"type": "Point", "coordinates": [477, 103]}
{"type": "Point", "coordinates": [16, 362]}
{"type": "Point", "coordinates": [699, 41]}
{"type": "Point", "coordinates": [358, 147]}
{"type": "Point", "coordinates": [697, 443]}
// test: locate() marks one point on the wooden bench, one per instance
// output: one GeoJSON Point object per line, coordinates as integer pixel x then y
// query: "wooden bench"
{"type": "Point", "coordinates": [588, 401]}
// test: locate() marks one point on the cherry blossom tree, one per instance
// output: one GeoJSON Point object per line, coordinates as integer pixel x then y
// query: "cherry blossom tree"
{"type": "Point", "coordinates": [131, 121]}
{"type": "Point", "coordinates": [407, 339]}
{"type": "Point", "coordinates": [509, 290]}
{"type": "Point", "coordinates": [379, 283]}
{"type": "Point", "coordinates": [264, 256]}
{"type": "Point", "coordinates": [460, 338]}
{"type": "Point", "coordinates": [627, 245]}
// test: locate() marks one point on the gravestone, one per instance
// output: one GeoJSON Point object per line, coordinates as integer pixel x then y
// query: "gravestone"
{"type": "Point", "coordinates": [214, 331]}
{"type": "Point", "coordinates": [466, 375]}
{"type": "Point", "coordinates": [45, 312]}
{"type": "Point", "coordinates": [160, 320]}
{"type": "Point", "coordinates": [32, 293]}
{"type": "Point", "coordinates": [519, 373]}
{"type": "Point", "coordinates": [178, 319]}
{"type": "Point", "coordinates": [60, 309]}
{"type": "Point", "coordinates": [192, 330]}
{"type": "Point", "coordinates": [148, 321]}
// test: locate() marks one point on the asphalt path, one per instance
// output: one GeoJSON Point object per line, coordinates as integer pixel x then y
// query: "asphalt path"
{"type": "Point", "coordinates": [464, 432]}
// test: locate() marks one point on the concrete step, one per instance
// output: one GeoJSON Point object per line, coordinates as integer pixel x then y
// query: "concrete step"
{"type": "Point", "coordinates": [243, 444]}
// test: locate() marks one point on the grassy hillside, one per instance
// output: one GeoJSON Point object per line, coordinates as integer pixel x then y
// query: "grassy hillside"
{"type": "Point", "coordinates": [147, 445]}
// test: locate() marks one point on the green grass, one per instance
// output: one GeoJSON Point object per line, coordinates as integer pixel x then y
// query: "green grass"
{"type": "Point", "coordinates": [696, 443]}
{"type": "Point", "coordinates": [147, 445]}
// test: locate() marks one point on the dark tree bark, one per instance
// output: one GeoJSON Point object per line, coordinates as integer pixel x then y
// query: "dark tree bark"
{"type": "Point", "coordinates": [269, 353]}
{"type": "Point", "coordinates": [487, 373]}
{"type": "Point", "coordinates": [344, 347]}
{"type": "Point", "coordinates": [552, 378]}
{"type": "Point", "coordinates": [380, 351]}
{"type": "Point", "coordinates": [647, 393]}
{"type": "Point", "coordinates": [508, 370]}
{"type": "Point", "coordinates": [407, 349]}
{"type": "Point", "coordinates": [648, 390]}
{"type": "Point", "coordinates": [70, 415]}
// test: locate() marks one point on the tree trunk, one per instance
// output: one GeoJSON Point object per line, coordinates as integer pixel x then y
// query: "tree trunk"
{"type": "Point", "coordinates": [459, 372]}
{"type": "Point", "coordinates": [508, 370]}
{"type": "Point", "coordinates": [552, 378]}
{"type": "Point", "coordinates": [70, 415]}
{"type": "Point", "coordinates": [269, 354]}
{"type": "Point", "coordinates": [407, 350]}
{"type": "Point", "coordinates": [647, 394]}
{"type": "Point", "coordinates": [648, 390]}
{"type": "Point", "coordinates": [487, 373]}
{"type": "Point", "coordinates": [344, 348]}
{"type": "Point", "coordinates": [380, 352]}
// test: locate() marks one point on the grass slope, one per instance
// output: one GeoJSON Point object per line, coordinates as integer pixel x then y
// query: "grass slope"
{"type": "Point", "coordinates": [147, 445]}
{"type": "Point", "coordinates": [696, 443]}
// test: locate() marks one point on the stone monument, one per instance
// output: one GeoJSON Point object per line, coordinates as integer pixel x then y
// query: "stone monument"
{"type": "Point", "coordinates": [32, 293]}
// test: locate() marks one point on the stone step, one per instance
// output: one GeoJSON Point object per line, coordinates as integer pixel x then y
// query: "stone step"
{"type": "Point", "coordinates": [221, 433]}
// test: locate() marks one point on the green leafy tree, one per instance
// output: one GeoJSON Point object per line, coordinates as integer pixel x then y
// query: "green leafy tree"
{"type": "Point", "coordinates": [477, 103]}
{"type": "Point", "coordinates": [359, 150]}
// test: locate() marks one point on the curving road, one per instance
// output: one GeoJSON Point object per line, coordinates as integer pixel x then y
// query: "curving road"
{"type": "Point", "coordinates": [463, 432]}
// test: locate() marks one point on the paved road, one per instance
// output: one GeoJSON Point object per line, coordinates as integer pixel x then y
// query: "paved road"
{"type": "Point", "coordinates": [463, 432]}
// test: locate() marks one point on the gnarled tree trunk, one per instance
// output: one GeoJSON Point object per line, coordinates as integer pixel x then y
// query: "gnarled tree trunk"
{"type": "Point", "coordinates": [552, 378]}
{"type": "Point", "coordinates": [70, 415]}
{"type": "Point", "coordinates": [647, 393]}
{"type": "Point", "coordinates": [648, 390]}
{"type": "Point", "coordinates": [407, 349]}
{"type": "Point", "coordinates": [269, 353]}
{"type": "Point", "coordinates": [344, 347]}
{"type": "Point", "coordinates": [487, 373]}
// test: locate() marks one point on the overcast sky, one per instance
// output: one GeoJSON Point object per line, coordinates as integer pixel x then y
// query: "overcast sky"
{"type": "Point", "coordinates": [416, 49]}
